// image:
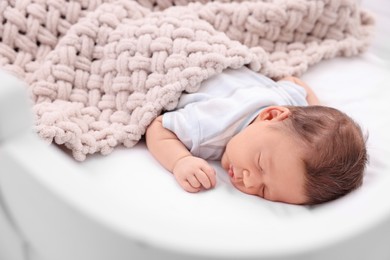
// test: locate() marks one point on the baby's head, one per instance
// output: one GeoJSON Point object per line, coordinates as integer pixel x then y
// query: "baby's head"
{"type": "Point", "coordinates": [299, 155]}
{"type": "Point", "coordinates": [335, 156]}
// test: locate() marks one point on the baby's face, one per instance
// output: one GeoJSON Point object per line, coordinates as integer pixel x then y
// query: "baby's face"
{"type": "Point", "coordinates": [266, 162]}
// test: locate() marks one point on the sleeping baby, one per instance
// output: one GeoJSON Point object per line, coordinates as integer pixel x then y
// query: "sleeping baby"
{"type": "Point", "coordinates": [273, 140]}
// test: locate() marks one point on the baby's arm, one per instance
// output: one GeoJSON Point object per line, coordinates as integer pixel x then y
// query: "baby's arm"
{"type": "Point", "coordinates": [311, 97]}
{"type": "Point", "coordinates": [192, 173]}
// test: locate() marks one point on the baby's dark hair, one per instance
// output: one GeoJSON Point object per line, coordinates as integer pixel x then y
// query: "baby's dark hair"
{"type": "Point", "coordinates": [336, 156]}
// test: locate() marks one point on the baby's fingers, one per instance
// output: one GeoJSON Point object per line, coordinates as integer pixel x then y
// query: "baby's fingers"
{"type": "Point", "coordinates": [207, 180]}
{"type": "Point", "coordinates": [193, 181]}
{"type": "Point", "coordinates": [188, 187]}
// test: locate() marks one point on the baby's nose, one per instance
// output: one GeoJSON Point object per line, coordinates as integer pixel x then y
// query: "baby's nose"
{"type": "Point", "coordinates": [238, 174]}
{"type": "Point", "coordinates": [245, 173]}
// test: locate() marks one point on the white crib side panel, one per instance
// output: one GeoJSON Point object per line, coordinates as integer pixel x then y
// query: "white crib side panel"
{"type": "Point", "coordinates": [11, 246]}
{"type": "Point", "coordinates": [15, 113]}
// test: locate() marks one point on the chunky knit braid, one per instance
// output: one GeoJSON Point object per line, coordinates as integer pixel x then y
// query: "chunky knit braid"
{"type": "Point", "coordinates": [101, 70]}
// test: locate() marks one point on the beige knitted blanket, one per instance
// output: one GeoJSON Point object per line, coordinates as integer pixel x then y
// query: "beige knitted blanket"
{"type": "Point", "coordinates": [100, 71]}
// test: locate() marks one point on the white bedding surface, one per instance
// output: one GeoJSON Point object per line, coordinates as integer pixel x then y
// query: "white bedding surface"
{"type": "Point", "coordinates": [129, 191]}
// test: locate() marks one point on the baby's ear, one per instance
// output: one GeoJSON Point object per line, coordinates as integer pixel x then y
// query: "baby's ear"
{"type": "Point", "coordinates": [274, 113]}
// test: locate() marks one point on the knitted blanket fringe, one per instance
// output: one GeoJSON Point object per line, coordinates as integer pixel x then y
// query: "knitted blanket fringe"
{"type": "Point", "coordinates": [99, 71]}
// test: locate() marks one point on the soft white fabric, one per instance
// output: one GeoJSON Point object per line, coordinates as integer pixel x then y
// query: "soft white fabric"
{"type": "Point", "coordinates": [225, 104]}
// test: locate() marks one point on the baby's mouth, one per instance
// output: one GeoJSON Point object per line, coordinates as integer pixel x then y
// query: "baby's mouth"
{"type": "Point", "coordinates": [230, 171]}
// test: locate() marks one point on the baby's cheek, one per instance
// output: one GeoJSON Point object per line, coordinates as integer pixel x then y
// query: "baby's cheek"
{"type": "Point", "coordinates": [242, 188]}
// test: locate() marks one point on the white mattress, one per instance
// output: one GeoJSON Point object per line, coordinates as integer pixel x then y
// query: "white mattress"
{"type": "Point", "coordinates": [129, 192]}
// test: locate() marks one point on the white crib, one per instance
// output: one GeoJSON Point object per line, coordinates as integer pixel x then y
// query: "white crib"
{"type": "Point", "coordinates": [126, 206]}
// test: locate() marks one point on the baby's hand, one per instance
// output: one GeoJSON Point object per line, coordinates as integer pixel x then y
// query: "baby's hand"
{"type": "Point", "coordinates": [194, 174]}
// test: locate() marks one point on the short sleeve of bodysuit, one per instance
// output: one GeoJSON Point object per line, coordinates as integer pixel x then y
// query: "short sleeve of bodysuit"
{"type": "Point", "coordinates": [225, 104]}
